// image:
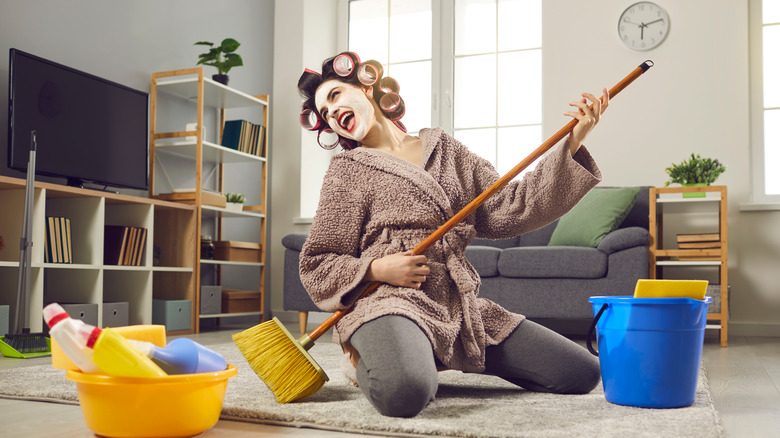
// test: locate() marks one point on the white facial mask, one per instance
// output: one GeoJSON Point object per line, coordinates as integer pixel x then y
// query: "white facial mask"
{"type": "Point", "coordinates": [349, 112]}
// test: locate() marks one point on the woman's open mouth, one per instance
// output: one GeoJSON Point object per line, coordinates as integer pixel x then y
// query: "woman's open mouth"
{"type": "Point", "coordinates": [347, 121]}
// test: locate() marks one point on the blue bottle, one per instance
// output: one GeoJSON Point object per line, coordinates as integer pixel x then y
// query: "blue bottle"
{"type": "Point", "coordinates": [182, 356]}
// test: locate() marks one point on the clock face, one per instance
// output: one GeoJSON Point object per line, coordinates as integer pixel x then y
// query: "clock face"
{"type": "Point", "coordinates": [643, 26]}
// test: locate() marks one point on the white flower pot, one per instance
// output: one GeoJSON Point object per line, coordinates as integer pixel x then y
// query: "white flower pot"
{"type": "Point", "coordinates": [233, 206]}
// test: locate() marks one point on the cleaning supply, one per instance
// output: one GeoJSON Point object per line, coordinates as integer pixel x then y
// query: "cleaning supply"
{"type": "Point", "coordinates": [283, 363]}
{"type": "Point", "coordinates": [64, 330]}
{"type": "Point", "coordinates": [695, 289]}
{"type": "Point", "coordinates": [649, 349]}
{"type": "Point", "coordinates": [115, 356]}
{"type": "Point", "coordinates": [182, 356]}
{"type": "Point", "coordinates": [153, 333]}
{"type": "Point", "coordinates": [21, 343]}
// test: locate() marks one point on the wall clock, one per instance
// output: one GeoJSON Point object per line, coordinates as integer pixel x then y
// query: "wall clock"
{"type": "Point", "coordinates": [643, 26]}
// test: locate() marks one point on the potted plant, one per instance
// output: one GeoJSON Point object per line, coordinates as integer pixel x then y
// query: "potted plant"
{"type": "Point", "coordinates": [696, 171]}
{"type": "Point", "coordinates": [234, 201]}
{"type": "Point", "coordinates": [223, 57]}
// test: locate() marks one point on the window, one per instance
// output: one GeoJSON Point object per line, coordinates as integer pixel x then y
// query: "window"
{"type": "Point", "coordinates": [497, 78]}
{"type": "Point", "coordinates": [398, 34]}
{"type": "Point", "coordinates": [765, 80]}
{"type": "Point", "coordinates": [472, 67]}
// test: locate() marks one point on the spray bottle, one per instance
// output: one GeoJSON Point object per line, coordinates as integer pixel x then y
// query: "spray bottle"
{"type": "Point", "coordinates": [64, 330]}
{"type": "Point", "coordinates": [182, 356]}
{"type": "Point", "coordinates": [115, 356]}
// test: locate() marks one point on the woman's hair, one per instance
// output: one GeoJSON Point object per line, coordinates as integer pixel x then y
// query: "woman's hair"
{"type": "Point", "coordinates": [357, 74]}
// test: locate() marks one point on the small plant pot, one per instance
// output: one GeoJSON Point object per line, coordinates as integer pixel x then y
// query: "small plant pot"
{"type": "Point", "coordinates": [234, 206]}
{"type": "Point", "coordinates": [222, 79]}
{"type": "Point", "coordinates": [694, 194]}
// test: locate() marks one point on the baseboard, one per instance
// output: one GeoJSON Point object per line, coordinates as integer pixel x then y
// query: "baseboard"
{"type": "Point", "coordinates": [759, 329]}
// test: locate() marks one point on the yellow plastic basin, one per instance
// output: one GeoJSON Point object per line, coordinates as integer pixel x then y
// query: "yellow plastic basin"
{"type": "Point", "coordinates": [695, 289]}
{"type": "Point", "coordinates": [171, 406]}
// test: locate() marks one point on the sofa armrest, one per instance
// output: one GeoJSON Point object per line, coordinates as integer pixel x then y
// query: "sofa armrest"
{"type": "Point", "coordinates": [624, 238]}
{"type": "Point", "coordinates": [294, 241]}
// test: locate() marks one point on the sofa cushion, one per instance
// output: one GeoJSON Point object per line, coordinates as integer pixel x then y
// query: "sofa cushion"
{"type": "Point", "coordinates": [598, 213]}
{"type": "Point", "coordinates": [552, 262]}
{"type": "Point", "coordinates": [484, 259]}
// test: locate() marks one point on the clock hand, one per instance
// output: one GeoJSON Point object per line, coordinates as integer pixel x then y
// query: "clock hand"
{"type": "Point", "coordinates": [655, 21]}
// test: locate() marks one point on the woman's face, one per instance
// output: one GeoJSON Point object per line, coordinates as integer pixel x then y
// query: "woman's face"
{"type": "Point", "coordinates": [346, 108]}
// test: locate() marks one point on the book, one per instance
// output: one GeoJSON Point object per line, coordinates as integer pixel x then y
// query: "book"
{"type": "Point", "coordinates": [244, 136]}
{"type": "Point", "coordinates": [140, 245]}
{"type": "Point", "coordinates": [699, 245]}
{"type": "Point", "coordinates": [52, 239]}
{"type": "Point", "coordinates": [708, 237]}
{"type": "Point", "coordinates": [698, 258]}
{"type": "Point", "coordinates": [114, 241]}
{"type": "Point", "coordinates": [57, 239]}
{"type": "Point", "coordinates": [130, 247]}
{"type": "Point", "coordinates": [231, 134]}
{"type": "Point", "coordinates": [67, 251]}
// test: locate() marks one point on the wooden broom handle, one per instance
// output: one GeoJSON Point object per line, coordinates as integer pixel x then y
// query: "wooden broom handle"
{"type": "Point", "coordinates": [490, 191]}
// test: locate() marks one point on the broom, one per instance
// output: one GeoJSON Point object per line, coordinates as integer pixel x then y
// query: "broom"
{"type": "Point", "coordinates": [22, 343]}
{"type": "Point", "coordinates": [283, 363]}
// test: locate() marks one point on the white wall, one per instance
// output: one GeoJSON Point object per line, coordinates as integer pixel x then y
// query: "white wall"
{"type": "Point", "coordinates": [695, 99]}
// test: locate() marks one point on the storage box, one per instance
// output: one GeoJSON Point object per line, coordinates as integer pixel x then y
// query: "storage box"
{"type": "Point", "coordinates": [233, 251]}
{"type": "Point", "coordinates": [174, 314]}
{"type": "Point", "coordinates": [116, 314]}
{"type": "Point", "coordinates": [239, 301]}
{"type": "Point", "coordinates": [85, 312]}
{"type": "Point", "coordinates": [210, 300]}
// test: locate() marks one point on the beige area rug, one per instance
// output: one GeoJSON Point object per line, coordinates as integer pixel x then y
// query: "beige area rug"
{"type": "Point", "coordinates": [466, 405]}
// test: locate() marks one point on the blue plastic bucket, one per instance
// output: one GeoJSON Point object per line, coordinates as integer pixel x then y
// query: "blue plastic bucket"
{"type": "Point", "coordinates": [649, 349]}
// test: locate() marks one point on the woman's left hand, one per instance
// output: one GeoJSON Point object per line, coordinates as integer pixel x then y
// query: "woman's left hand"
{"type": "Point", "coordinates": [587, 117]}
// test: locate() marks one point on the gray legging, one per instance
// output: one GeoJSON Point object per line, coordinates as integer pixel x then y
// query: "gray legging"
{"type": "Point", "coordinates": [397, 369]}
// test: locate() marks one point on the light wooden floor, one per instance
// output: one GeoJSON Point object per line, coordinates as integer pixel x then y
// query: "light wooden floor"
{"type": "Point", "coordinates": [744, 380]}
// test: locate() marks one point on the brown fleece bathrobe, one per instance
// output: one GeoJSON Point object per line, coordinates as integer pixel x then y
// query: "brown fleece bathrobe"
{"type": "Point", "coordinates": [373, 204]}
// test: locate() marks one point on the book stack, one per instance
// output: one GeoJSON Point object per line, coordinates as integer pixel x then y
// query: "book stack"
{"type": "Point", "coordinates": [244, 137]}
{"type": "Point", "coordinates": [124, 246]}
{"type": "Point", "coordinates": [700, 242]}
{"type": "Point", "coordinates": [57, 245]}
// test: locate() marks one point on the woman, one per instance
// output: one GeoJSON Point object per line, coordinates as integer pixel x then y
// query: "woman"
{"type": "Point", "coordinates": [385, 194]}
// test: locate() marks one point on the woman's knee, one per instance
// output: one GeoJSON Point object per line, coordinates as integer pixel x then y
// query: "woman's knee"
{"type": "Point", "coordinates": [404, 394]}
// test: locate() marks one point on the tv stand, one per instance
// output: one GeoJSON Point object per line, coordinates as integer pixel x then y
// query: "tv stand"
{"type": "Point", "coordinates": [169, 274]}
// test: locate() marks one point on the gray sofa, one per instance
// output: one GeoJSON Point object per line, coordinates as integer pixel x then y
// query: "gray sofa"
{"type": "Point", "coordinates": [548, 284]}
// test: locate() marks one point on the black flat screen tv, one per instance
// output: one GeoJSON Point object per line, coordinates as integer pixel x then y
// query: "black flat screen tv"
{"type": "Point", "coordinates": [88, 129]}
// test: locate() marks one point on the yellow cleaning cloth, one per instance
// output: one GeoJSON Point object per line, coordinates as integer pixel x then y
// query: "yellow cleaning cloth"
{"type": "Point", "coordinates": [671, 289]}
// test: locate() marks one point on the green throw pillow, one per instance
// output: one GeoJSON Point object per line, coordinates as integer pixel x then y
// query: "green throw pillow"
{"type": "Point", "coordinates": [598, 213]}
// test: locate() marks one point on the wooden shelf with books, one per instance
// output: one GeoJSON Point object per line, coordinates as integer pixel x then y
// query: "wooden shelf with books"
{"type": "Point", "coordinates": [86, 271]}
{"type": "Point", "coordinates": [240, 139]}
{"type": "Point", "coordinates": [693, 252]}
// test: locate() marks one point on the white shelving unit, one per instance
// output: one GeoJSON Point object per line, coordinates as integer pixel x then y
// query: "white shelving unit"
{"type": "Point", "coordinates": [88, 280]}
{"type": "Point", "coordinates": [669, 200]}
{"type": "Point", "coordinates": [202, 94]}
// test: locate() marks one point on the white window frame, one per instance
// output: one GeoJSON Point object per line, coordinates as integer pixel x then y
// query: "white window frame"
{"type": "Point", "coordinates": [760, 200]}
{"type": "Point", "coordinates": [443, 61]}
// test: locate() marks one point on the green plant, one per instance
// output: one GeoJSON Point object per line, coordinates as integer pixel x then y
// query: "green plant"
{"type": "Point", "coordinates": [236, 198]}
{"type": "Point", "coordinates": [697, 170]}
{"type": "Point", "coordinates": [222, 56]}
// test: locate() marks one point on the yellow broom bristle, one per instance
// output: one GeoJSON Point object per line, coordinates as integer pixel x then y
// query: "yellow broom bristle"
{"type": "Point", "coordinates": [280, 361]}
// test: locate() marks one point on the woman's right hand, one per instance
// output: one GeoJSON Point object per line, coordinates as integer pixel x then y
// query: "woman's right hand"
{"type": "Point", "coordinates": [404, 269]}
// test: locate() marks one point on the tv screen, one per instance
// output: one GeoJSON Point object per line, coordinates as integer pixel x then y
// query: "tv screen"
{"type": "Point", "coordinates": [88, 129]}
